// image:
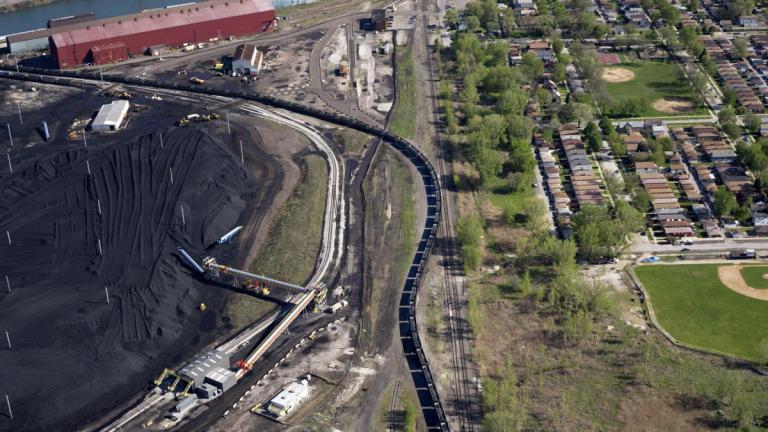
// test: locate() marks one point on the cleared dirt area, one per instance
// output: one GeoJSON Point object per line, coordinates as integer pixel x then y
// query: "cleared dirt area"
{"type": "Point", "coordinates": [75, 233]}
{"type": "Point", "coordinates": [617, 74]}
{"type": "Point", "coordinates": [731, 277]}
{"type": "Point", "coordinates": [672, 105]}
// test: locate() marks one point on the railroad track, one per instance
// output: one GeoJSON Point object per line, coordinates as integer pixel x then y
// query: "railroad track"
{"type": "Point", "coordinates": [393, 426]}
{"type": "Point", "coordinates": [452, 267]}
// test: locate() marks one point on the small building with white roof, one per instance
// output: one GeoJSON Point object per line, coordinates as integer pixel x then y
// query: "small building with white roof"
{"type": "Point", "coordinates": [111, 116]}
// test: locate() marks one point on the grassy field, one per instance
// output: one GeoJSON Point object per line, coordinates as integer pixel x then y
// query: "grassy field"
{"type": "Point", "coordinates": [293, 241]}
{"type": "Point", "coordinates": [753, 275]}
{"type": "Point", "coordinates": [697, 309]}
{"type": "Point", "coordinates": [654, 80]}
{"type": "Point", "coordinates": [403, 118]}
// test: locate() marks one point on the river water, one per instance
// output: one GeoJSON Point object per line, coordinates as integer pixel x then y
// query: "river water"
{"type": "Point", "coordinates": [37, 17]}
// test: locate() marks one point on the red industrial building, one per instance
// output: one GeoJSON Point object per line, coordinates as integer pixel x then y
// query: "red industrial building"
{"type": "Point", "coordinates": [115, 39]}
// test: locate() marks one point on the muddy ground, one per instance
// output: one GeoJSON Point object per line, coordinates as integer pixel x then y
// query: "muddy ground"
{"type": "Point", "coordinates": [74, 355]}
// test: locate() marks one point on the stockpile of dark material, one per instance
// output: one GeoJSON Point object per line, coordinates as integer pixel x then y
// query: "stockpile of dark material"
{"type": "Point", "coordinates": [74, 356]}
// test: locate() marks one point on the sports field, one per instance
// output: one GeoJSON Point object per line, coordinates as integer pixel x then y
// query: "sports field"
{"type": "Point", "coordinates": [755, 276]}
{"type": "Point", "coordinates": [696, 308]}
{"type": "Point", "coordinates": [657, 82]}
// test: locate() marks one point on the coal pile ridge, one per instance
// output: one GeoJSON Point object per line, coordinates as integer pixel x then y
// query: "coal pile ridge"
{"type": "Point", "coordinates": [74, 356]}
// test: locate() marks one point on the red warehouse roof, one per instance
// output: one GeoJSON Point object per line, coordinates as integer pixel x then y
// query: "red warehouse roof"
{"type": "Point", "coordinates": [192, 23]}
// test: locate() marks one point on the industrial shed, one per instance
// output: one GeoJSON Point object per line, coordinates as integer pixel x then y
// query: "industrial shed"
{"type": "Point", "coordinates": [221, 378]}
{"type": "Point", "coordinates": [203, 365]}
{"type": "Point", "coordinates": [35, 40]}
{"type": "Point", "coordinates": [247, 59]}
{"type": "Point", "coordinates": [110, 116]}
{"type": "Point", "coordinates": [172, 26]}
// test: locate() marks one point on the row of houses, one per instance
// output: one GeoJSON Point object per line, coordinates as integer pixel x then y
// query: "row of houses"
{"type": "Point", "coordinates": [635, 13]}
{"type": "Point", "coordinates": [550, 172]}
{"type": "Point", "coordinates": [710, 142]}
{"type": "Point", "coordinates": [730, 77]}
{"type": "Point", "coordinates": [586, 188]}
{"type": "Point", "coordinates": [666, 208]}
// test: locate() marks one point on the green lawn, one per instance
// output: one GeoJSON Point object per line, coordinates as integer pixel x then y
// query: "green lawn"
{"type": "Point", "coordinates": [695, 308]}
{"type": "Point", "coordinates": [753, 275]}
{"type": "Point", "coordinates": [654, 80]}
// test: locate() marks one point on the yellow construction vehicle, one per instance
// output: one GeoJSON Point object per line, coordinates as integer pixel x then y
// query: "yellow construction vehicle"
{"type": "Point", "coordinates": [195, 80]}
{"type": "Point", "coordinates": [312, 335]}
{"type": "Point", "coordinates": [73, 135]}
{"type": "Point", "coordinates": [166, 373]}
{"type": "Point", "coordinates": [202, 307]}
{"type": "Point", "coordinates": [182, 122]}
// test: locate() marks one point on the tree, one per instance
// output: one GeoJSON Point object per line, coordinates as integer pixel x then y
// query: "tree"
{"type": "Point", "coordinates": [557, 45]}
{"type": "Point", "coordinates": [451, 18]}
{"type": "Point", "coordinates": [507, 23]}
{"type": "Point", "coordinates": [729, 96]}
{"type": "Point", "coordinates": [740, 47]}
{"type": "Point", "coordinates": [670, 14]}
{"type": "Point", "coordinates": [512, 101]}
{"type": "Point", "coordinates": [410, 417]}
{"type": "Point", "coordinates": [752, 122]}
{"type": "Point", "coordinates": [641, 201]}
{"type": "Point", "coordinates": [531, 65]}
{"type": "Point", "coordinates": [725, 202]}
{"type": "Point", "coordinates": [593, 137]}
{"type": "Point", "coordinates": [473, 23]}
{"type": "Point", "coordinates": [728, 122]}
{"type": "Point", "coordinates": [628, 217]}
{"type": "Point", "coordinates": [525, 284]}
{"type": "Point", "coordinates": [576, 112]}
{"type": "Point", "coordinates": [469, 232]}
{"type": "Point", "coordinates": [737, 8]}
{"type": "Point", "coordinates": [598, 234]}
{"type": "Point", "coordinates": [558, 72]}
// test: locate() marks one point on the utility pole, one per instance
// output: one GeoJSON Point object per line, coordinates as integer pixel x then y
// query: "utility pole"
{"type": "Point", "coordinates": [88, 165]}
{"type": "Point", "coordinates": [85, 141]}
{"type": "Point", "coordinates": [8, 283]}
{"type": "Point", "coordinates": [171, 170]}
{"type": "Point", "coordinates": [101, 252]}
{"type": "Point", "coordinates": [10, 137]}
{"type": "Point", "coordinates": [106, 291]}
{"type": "Point", "coordinates": [242, 157]}
{"type": "Point", "coordinates": [18, 107]}
{"type": "Point", "coordinates": [8, 401]}
{"type": "Point", "coordinates": [8, 338]}
{"type": "Point", "coordinates": [9, 161]}
{"type": "Point", "coordinates": [229, 131]}
{"type": "Point", "coordinates": [8, 233]}
{"type": "Point", "coordinates": [161, 141]}
{"type": "Point", "coordinates": [183, 220]}
{"type": "Point", "coordinates": [98, 203]}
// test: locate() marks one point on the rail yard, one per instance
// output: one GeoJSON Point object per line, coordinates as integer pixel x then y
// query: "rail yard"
{"type": "Point", "coordinates": [195, 393]}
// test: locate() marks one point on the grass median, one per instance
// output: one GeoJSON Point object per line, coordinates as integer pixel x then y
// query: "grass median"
{"type": "Point", "coordinates": [403, 119]}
